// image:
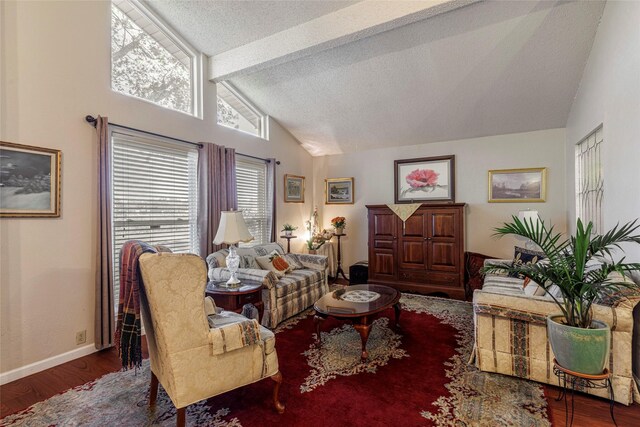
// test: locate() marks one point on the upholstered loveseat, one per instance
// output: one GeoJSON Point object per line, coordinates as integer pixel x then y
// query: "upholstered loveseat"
{"type": "Point", "coordinates": [511, 334]}
{"type": "Point", "coordinates": [282, 297]}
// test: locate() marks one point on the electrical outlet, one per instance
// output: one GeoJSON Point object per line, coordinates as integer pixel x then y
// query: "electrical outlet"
{"type": "Point", "coordinates": [81, 337]}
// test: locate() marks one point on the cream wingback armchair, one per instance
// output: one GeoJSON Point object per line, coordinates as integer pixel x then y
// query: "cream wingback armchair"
{"type": "Point", "coordinates": [192, 360]}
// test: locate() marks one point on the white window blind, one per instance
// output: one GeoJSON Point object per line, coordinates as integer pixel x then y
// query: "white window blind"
{"type": "Point", "coordinates": [253, 197]}
{"type": "Point", "coordinates": [155, 195]}
{"type": "Point", "coordinates": [590, 180]}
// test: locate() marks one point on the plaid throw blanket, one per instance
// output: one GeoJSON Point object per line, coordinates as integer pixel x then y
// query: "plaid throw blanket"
{"type": "Point", "coordinates": [128, 334]}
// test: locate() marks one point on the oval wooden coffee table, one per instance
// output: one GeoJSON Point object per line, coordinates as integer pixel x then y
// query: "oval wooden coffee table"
{"type": "Point", "coordinates": [359, 304]}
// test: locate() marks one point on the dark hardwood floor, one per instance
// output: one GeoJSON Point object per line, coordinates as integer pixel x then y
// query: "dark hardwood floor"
{"type": "Point", "coordinates": [19, 395]}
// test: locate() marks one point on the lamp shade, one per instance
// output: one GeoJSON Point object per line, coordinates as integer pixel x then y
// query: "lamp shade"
{"type": "Point", "coordinates": [232, 229]}
{"type": "Point", "coordinates": [529, 216]}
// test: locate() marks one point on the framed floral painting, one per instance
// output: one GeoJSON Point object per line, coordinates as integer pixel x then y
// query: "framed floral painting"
{"type": "Point", "coordinates": [427, 179]}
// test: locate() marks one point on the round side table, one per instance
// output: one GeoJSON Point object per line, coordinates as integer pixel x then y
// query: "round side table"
{"type": "Point", "coordinates": [583, 381]}
{"type": "Point", "coordinates": [234, 298]}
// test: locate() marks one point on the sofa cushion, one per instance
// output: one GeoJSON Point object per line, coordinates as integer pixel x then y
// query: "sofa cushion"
{"type": "Point", "coordinates": [503, 285]}
{"type": "Point", "coordinates": [297, 280]}
{"type": "Point", "coordinates": [274, 262]}
{"type": "Point", "coordinates": [531, 288]}
{"type": "Point", "coordinates": [267, 248]}
{"type": "Point", "coordinates": [522, 256]}
{"type": "Point", "coordinates": [293, 261]}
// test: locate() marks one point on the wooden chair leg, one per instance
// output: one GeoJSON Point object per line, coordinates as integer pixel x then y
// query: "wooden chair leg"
{"type": "Point", "coordinates": [181, 418]}
{"type": "Point", "coordinates": [153, 390]}
{"type": "Point", "coordinates": [277, 377]}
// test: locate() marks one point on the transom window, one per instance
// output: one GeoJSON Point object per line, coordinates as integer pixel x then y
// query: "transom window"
{"type": "Point", "coordinates": [150, 62]}
{"type": "Point", "coordinates": [590, 180]}
{"type": "Point", "coordinates": [155, 195]}
{"type": "Point", "coordinates": [236, 112]}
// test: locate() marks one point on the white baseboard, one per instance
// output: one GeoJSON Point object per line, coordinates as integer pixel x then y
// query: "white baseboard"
{"type": "Point", "coordinates": [16, 374]}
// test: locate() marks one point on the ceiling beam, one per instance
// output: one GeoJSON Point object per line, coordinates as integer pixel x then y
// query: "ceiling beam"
{"type": "Point", "coordinates": [352, 23]}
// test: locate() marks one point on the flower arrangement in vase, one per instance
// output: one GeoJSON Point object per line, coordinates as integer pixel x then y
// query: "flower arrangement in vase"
{"type": "Point", "coordinates": [339, 223]}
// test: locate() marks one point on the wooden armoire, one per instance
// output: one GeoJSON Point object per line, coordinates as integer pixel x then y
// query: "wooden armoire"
{"type": "Point", "coordinates": [424, 254]}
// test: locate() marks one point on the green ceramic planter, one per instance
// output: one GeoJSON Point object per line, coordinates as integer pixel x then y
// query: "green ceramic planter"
{"type": "Point", "coordinates": [578, 349]}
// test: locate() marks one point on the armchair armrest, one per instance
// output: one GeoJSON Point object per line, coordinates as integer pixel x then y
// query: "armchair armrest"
{"type": "Point", "coordinates": [229, 334]}
{"type": "Point", "coordinates": [267, 278]}
{"type": "Point", "coordinates": [314, 262]}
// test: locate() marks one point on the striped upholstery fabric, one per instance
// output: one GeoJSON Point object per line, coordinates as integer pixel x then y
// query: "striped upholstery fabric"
{"type": "Point", "coordinates": [511, 336]}
{"type": "Point", "coordinates": [297, 280]}
{"type": "Point", "coordinates": [284, 297]}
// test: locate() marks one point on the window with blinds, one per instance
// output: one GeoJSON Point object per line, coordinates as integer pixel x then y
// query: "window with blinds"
{"type": "Point", "coordinates": [590, 180]}
{"type": "Point", "coordinates": [253, 198]}
{"type": "Point", "coordinates": [155, 195]}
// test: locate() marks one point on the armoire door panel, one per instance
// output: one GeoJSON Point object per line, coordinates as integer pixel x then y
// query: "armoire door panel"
{"type": "Point", "coordinates": [383, 244]}
{"type": "Point", "coordinates": [384, 225]}
{"type": "Point", "coordinates": [384, 264]}
{"type": "Point", "coordinates": [443, 256]}
{"type": "Point", "coordinates": [443, 224]}
{"type": "Point", "coordinates": [412, 254]}
{"type": "Point", "coordinates": [414, 226]}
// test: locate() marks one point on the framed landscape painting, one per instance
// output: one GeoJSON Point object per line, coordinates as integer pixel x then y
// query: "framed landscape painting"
{"type": "Point", "coordinates": [293, 189]}
{"type": "Point", "coordinates": [517, 185]}
{"type": "Point", "coordinates": [338, 191]}
{"type": "Point", "coordinates": [426, 179]}
{"type": "Point", "coordinates": [29, 181]}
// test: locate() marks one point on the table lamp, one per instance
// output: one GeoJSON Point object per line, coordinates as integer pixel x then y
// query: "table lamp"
{"type": "Point", "coordinates": [529, 217]}
{"type": "Point", "coordinates": [232, 230]}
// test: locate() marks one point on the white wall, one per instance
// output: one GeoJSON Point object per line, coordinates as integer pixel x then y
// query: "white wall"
{"type": "Point", "coordinates": [373, 173]}
{"type": "Point", "coordinates": [609, 94]}
{"type": "Point", "coordinates": [55, 70]}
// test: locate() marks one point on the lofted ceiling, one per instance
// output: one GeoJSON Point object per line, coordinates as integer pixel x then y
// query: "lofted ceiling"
{"type": "Point", "coordinates": [478, 69]}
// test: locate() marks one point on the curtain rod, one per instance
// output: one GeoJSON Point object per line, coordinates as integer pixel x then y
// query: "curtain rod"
{"type": "Point", "coordinates": [93, 121]}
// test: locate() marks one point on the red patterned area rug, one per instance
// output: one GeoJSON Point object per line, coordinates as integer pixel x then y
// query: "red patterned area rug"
{"type": "Point", "coordinates": [415, 375]}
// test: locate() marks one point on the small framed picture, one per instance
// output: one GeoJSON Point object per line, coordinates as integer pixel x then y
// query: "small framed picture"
{"type": "Point", "coordinates": [293, 189]}
{"type": "Point", "coordinates": [427, 179]}
{"type": "Point", "coordinates": [338, 191]}
{"type": "Point", "coordinates": [517, 185]}
{"type": "Point", "coordinates": [29, 181]}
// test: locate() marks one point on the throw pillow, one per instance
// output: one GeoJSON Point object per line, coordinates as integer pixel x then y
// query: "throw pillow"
{"type": "Point", "coordinates": [524, 256]}
{"type": "Point", "coordinates": [532, 289]}
{"type": "Point", "coordinates": [273, 262]}
{"type": "Point", "coordinates": [293, 261]}
{"type": "Point", "coordinates": [248, 261]}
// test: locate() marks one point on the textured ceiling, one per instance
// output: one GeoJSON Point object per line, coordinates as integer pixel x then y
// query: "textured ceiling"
{"type": "Point", "coordinates": [216, 26]}
{"type": "Point", "coordinates": [486, 69]}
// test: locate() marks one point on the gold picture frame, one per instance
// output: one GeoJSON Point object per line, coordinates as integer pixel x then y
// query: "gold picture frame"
{"type": "Point", "coordinates": [29, 181]}
{"type": "Point", "coordinates": [518, 185]}
{"type": "Point", "coordinates": [293, 188]}
{"type": "Point", "coordinates": [339, 191]}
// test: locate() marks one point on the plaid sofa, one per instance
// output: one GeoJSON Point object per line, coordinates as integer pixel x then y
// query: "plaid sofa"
{"type": "Point", "coordinates": [511, 335]}
{"type": "Point", "coordinates": [284, 297]}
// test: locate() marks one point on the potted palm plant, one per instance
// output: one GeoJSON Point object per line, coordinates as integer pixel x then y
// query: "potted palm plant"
{"type": "Point", "coordinates": [580, 266]}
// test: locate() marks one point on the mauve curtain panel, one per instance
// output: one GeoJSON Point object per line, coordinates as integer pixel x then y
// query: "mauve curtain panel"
{"type": "Point", "coordinates": [104, 327]}
{"type": "Point", "coordinates": [217, 191]}
{"type": "Point", "coordinates": [271, 177]}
